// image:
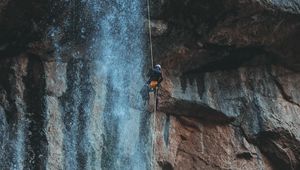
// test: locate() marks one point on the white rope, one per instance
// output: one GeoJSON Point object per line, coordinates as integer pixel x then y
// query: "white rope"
{"type": "Point", "coordinates": [150, 33]}
{"type": "Point", "coordinates": [155, 93]}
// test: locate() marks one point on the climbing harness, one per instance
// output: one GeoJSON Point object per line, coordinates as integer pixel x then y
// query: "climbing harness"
{"type": "Point", "coordinates": [153, 84]}
{"type": "Point", "coordinates": [153, 95]}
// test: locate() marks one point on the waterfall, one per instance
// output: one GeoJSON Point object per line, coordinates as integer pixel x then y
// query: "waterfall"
{"type": "Point", "coordinates": [114, 72]}
{"type": "Point", "coordinates": [121, 58]}
{"type": "Point", "coordinates": [80, 108]}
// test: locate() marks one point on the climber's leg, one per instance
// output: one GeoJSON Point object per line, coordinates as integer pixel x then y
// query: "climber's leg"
{"type": "Point", "coordinates": [151, 102]}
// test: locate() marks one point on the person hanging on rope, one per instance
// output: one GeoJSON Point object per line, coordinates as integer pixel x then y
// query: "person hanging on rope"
{"type": "Point", "coordinates": [155, 77]}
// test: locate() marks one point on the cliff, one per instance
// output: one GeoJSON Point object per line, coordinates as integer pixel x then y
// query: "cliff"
{"type": "Point", "coordinates": [230, 98]}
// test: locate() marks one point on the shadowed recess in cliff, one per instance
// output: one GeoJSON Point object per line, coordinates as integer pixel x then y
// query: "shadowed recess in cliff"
{"type": "Point", "coordinates": [36, 141]}
{"type": "Point", "coordinates": [77, 104]}
{"type": "Point", "coordinates": [120, 62]}
{"type": "Point", "coordinates": [24, 144]}
{"type": "Point", "coordinates": [276, 145]}
{"type": "Point", "coordinates": [194, 109]}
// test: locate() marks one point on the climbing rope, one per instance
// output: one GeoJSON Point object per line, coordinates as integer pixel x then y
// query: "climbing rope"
{"type": "Point", "coordinates": [155, 93]}
{"type": "Point", "coordinates": [150, 34]}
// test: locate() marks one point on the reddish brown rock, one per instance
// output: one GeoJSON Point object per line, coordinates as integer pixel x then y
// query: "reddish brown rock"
{"type": "Point", "coordinates": [231, 64]}
{"type": "Point", "coordinates": [186, 143]}
{"type": "Point", "coordinates": [230, 98]}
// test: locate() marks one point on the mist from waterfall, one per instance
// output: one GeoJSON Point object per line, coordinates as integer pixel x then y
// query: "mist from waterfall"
{"type": "Point", "coordinates": [121, 58]}
{"type": "Point", "coordinates": [80, 108]}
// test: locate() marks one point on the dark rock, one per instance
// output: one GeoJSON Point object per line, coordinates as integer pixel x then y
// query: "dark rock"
{"type": "Point", "coordinates": [230, 98]}
{"type": "Point", "coordinates": [245, 67]}
{"type": "Point", "coordinates": [285, 5]}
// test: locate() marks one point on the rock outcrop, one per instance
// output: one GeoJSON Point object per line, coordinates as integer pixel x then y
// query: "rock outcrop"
{"type": "Point", "coordinates": [230, 98]}
{"type": "Point", "coordinates": [231, 73]}
{"type": "Point", "coordinates": [49, 94]}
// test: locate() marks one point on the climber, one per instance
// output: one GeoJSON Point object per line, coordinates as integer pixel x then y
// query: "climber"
{"type": "Point", "coordinates": [155, 78]}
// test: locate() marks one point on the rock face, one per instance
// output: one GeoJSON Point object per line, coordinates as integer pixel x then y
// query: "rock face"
{"type": "Point", "coordinates": [193, 144]}
{"type": "Point", "coordinates": [285, 5]}
{"type": "Point", "coordinates": [230, 98]}
{"type": "Point", "coordinates": [59, 107]}
{"type": "Point", "coordinates": [50, 99]}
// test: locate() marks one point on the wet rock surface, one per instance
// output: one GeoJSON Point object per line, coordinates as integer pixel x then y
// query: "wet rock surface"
{"type": "Point", "coordinates": [286, 5]}
{"type": "Point", "coordinates": [49, 113]}
{"type": "Point", "coordinates": [230, 98]}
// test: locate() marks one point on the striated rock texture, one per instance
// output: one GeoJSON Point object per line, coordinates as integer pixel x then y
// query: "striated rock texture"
{"type": "Point", "coordinates": [230, 99]}
{"type": "Point", "coordinates": [49, 96]}
{"type": "Point", "coordinates": [64, 99]}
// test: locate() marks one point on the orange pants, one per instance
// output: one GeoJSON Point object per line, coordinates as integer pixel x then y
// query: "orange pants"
{"type": "Point", "coordinates": [153, 84]}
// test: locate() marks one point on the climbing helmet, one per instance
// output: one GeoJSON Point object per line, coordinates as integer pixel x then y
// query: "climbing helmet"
{"type": "Point", "coordinates": [157, 66]}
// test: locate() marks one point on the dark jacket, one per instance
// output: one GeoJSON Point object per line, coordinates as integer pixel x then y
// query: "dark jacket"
{"type": "Point", "coordinates": [155, 75]}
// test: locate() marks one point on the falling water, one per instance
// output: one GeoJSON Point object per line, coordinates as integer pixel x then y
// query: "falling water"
{"type": "Point", "coordinates": [93, 117]}
{"type": "Point", "coordinates": [121, 59]}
